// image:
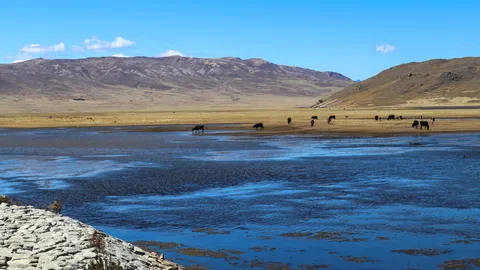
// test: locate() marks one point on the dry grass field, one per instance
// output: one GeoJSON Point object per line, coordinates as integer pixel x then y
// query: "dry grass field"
{"type": "Point", "coordinates": [359, 121]}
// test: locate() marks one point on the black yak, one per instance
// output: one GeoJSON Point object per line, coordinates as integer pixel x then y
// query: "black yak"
{"type": "Point", "coordinates": [258, 126]}
{"type": "Point", "coordinates": [424, 124]}
{"type": "Point", "coordinates": [196, 129]}
{"type": "Point", "coordinates": [415, 124]}
{"type": "Point", "coordinates": [330, 118]}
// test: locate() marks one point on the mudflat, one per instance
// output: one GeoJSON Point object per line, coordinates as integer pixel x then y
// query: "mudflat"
{"type": "Point", "coordinates": [348, 121]}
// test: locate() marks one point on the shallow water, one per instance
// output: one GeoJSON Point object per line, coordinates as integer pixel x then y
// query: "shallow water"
{"type": "Point", "coordinates": [332, 197]}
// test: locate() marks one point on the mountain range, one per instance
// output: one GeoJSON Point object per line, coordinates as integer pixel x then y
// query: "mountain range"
{"type": "Point", "coordinates": [139, 83]}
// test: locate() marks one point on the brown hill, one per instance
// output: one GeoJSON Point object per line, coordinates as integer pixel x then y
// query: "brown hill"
{"type": "Point", "coordinates": [434, 82]}
{"type": "Point", "coordinates": [141, 83]}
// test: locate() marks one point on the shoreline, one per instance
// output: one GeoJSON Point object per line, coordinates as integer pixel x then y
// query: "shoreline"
{"type": "Point", "coordinates": [351, 122]}
{"type": "Point", "coordinates": [242, 130]}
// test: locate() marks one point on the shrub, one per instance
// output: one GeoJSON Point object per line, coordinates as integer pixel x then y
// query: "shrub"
{"type": "Point", "coordinates": [7, 200]}
{"type": "Point", "coordinates": [100, 264]}
{"type": "Point", "coordinates": [4, 199]}
{"type": "Point", "coordinates": [56, 207]}
{"type": "Point", "coordinates": [97, 241]}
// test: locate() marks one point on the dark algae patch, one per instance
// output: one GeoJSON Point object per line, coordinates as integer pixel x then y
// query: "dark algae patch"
{"type": "Point", "coordinates": [312, 266]}
{"type": "Point", "coordinates": [198, 252]}
{"type": "Point", "coordinates": [461, 264]}
{"type": "Point", "coordinates": [196, 267]}
{"type": "Point", "coordinates": [423, 252]}
{"type": "Point", "coordinates": [270, 265]}
{"type": "Point", "coordinates": [210, 231]}
{"type": "Point", "coordinates": [465, 241]}
{"type": "Point", "coordinates": [357, 259]}
{"type": "Point", "coordinates": [296, 235]}
{"type": "Point", "coordinates": [235, 252]}
{"type": "Point", "coordinates": [329, 236]}
{"type": "Point", "coordinates": [152, 245]}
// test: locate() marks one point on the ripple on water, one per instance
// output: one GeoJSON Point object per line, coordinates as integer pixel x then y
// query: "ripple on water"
{"type": "Point", "coordinates": [249, 190]}
{"type": "Point", "coordinates": [60, 167]}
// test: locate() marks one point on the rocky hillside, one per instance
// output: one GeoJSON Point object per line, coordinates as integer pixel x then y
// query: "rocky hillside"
{"type": "Point", "coordinates": [434, 82]}
{"type": "Point", "coordinates": [140, 80]}
{"type": "Point", "coordinates": [36, 239]}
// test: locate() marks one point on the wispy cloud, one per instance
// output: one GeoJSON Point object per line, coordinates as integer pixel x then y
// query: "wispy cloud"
{"type": "Point", "coordinates": [385, 48]}
{"type": "Point", "coordinates": [121, 55]}
{"type": "Point", "coordinates": [40, 49]}
{"type": "Point", "coordinates": [78, 49]}
{"type": "Point", "coordinates": [95, 44]}
{"type": "Point", "coordinates": [171, 53]}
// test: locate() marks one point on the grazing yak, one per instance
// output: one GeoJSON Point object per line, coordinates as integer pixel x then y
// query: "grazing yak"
{"type": "Point", "coordinates": [399, 117]}
{"type": "Point", "coordinates": [376, 117]}
{"type": "Point", "coordinates": [258, 126]}
{"type": "Point", "coordinates": [315, 117]}
{"type": "Point", "coordinates": [312, 122]}
{"type": "Point", "coordinates": [391, 117]}
{"type": "Point", "coordinates": [424, 124]}
{"type": "Point", "coordinates": [415, 124]}
{"type": "Point", "coordinates": [330, 119]}
{"type": "Point", "coordinates": [289, 120]}
{"type": "Point", "coordinates": [196, 129]}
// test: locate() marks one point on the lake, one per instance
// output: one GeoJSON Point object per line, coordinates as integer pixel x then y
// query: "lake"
{"type": "Point", "coordinates": [251, 202]}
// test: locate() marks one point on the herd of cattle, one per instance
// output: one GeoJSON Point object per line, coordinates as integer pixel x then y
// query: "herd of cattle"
{"type": "Point", "coordinates": [201, 128]}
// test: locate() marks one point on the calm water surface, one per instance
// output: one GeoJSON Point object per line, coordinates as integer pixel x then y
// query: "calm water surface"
{"type": "Point", "coordinates": [262, 203]}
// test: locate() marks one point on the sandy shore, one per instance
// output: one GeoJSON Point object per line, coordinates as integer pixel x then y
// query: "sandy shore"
{"type": "Point", "coordinates": [348, 121]}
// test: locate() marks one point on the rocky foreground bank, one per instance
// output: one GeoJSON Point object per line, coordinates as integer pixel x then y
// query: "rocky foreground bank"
{"type": "Point", "coordinates": [37, 239]}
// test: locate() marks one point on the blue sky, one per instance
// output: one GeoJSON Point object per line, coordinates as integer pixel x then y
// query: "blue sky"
{"type": "Point", "coordinates": [356, 38]}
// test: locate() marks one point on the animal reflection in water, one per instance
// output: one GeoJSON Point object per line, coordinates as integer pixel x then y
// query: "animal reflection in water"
{"type": "Point", "coordinates": [196, 129]}
{"type": "Point", "coordinates": [258, 126]}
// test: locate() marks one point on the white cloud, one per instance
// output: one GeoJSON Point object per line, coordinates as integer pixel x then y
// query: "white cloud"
{"type": "Point", "coordinates": [40, 49]}
{"type": "Point", "coordinates": [385, 48]}
{"type": "Point", "coordinates": [121, 55]}
{"type": "Point", "coordinates": [19, 61]}
{"type": "Point", "coordinates": [171, 53]}
{"type": "Point", "coordinates": [95, 44]}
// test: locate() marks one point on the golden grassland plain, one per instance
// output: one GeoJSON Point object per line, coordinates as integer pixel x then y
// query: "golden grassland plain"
{"type": "Point", "coordinates": [348, 121]}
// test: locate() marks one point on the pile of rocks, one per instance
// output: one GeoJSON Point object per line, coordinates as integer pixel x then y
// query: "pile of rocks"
{"type": "Point", "coordinates": [37, 239]}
